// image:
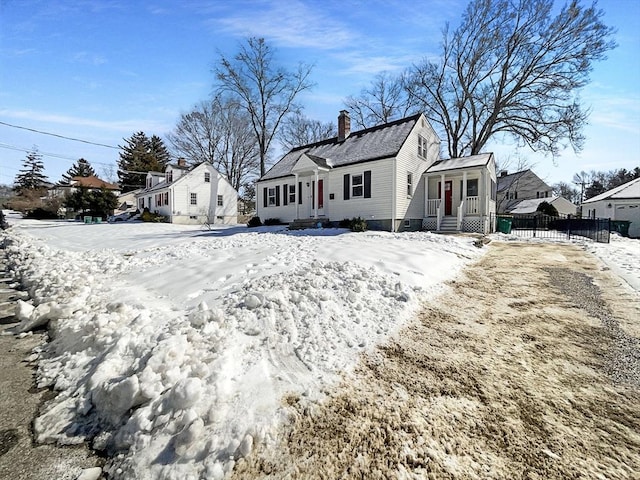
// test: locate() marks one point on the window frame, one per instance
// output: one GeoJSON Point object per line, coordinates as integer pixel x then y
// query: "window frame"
{"type": "Point", "coordinates": [193, 198]}
{"type": "Point", "coordinates": [355, 185]}
{"type": "Point", "coordinates": [292, 193]}
{"type": "Point", "coordinates": [220, 200]}
{"type": "Point", "coordinates": [409, 184]}
{"type": "Point", "coordinates": [271, 196]}
{"type": "Point", "coordinates": [423, 147]}
{"type": "Point", "coordinates": [207, 177]}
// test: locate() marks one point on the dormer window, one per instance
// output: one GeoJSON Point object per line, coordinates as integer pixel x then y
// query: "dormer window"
{"type": "Point", "coordinates": [169, 176]}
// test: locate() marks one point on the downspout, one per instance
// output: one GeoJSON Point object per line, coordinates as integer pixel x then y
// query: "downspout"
{"type": "Point", "coordinates": [393, 196]}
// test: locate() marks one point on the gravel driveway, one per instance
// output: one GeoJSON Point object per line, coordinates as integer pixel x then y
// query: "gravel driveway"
{"type": "Point", "coordinates": [527, 367]}
{"type": "Point", "coordinates": [20, 459]}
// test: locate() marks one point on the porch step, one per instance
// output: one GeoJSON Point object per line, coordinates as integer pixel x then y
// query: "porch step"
{"type": "Point", "coordinates": [302, 223]}
{"type": "Point", "coordinates": [449, 224]}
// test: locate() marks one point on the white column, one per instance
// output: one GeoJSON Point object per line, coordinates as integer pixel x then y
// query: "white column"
{"type": "Point", "coordinates": [297, 195]}
{"type": "Point", "coordinates": [315, 195]}
{"type": "Point", "coordinates": [426, 195]}
{"type": "Point", "coordinates": [442, 191]}
{"type": "Point", "coordinates": [464, 188]}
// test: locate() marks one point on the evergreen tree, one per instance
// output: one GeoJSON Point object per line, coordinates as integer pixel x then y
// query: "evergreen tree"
{"type": "Point", "coordinates": [159, 150]}
{"type": "Point", "coordinates": [96, 202]}
{"type": "Point", "coordinates": [32, 176]}
{"type": "Point", "coordinates": [141, 154]}
{"type": "Point", "coordinates": [82, 168]}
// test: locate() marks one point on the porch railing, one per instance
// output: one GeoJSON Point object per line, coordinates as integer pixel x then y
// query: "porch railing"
{"type": "Point", "coordinates": [432, 207]}
{"type": "Point", "coordinates": [473, 205]}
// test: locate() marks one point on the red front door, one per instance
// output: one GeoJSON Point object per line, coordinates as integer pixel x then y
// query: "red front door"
{"type": "Point", "coordinates": [448, 197]}
{"type": "Point", "coordinates": [320, 193]}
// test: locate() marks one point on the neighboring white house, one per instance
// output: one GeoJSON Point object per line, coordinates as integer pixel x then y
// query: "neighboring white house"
{"type": "Point", "coordinates": [620, 203]}
{"type": "Point", "coordinates": [518, 186]}
{"type": "Point", "coordinates": [561, 204]}
{"type": "Point", "coordinates": [389, 175]}
{"type": "Point", "coordinates": [190, 195]}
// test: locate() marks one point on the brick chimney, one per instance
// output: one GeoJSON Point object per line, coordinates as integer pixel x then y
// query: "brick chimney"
{"type": "Point", "coordinates": [504, 173]}
{"type": "Point", "coordinates": [182, 162]}
{"type": "Point", "coordinates": [344, 125]}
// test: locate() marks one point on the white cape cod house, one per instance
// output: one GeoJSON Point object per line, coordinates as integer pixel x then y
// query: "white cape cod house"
{"type": "Point", "coordinates": [190, 195]}
{"type": "Point", "coordinates": [389, 175]}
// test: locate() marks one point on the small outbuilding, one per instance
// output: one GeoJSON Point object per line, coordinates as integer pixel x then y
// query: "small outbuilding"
{"type": "Point", "coordinates": [621, 203]}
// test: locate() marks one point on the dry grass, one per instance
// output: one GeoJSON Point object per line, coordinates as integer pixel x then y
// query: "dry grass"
{"type": "Point", "coordinates": [507, 375]}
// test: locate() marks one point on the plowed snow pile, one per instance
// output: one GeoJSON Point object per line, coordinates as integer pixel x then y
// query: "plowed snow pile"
{"type": "Point", "coordinates": [527, 367]}
{"type": "Point", "coordinates": [171, 348]}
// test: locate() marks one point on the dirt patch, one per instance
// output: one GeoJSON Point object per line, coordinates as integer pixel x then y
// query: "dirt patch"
{"type": "Point", "coordinates": [525, 368]}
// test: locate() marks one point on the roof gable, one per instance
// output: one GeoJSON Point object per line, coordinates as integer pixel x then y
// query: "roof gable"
{"type": "Point", "coordinates": [92, 182]}
{"type": "Point", "coordinates": [383, 141]}
{"type": "Point", "coordinates": [506, 181]}
{"type": "Point", "coordinates": [474, 161]}
{"type": "Point", "coordinates": [629, 190]}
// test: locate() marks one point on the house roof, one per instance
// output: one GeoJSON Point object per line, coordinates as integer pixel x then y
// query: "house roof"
{"type": "Point", "coordinates": [473, 161]}
{"type": "Point", "coordinates": [531, 205]}
{"type": "Point", "coordinates": [629, 190]}
{"type": "Point", "coordinates": [383, 141]}
{"type": "Point", "coordinates": [92, 182]}
{"type": "Point", "coordinates": [505, 181]}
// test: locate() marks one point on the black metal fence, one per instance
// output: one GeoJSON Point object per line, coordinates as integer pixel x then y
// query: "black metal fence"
{"type": "Point", "coordinates": [561, 227]}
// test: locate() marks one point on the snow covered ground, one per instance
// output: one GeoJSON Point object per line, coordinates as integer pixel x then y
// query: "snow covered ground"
{"type": "Point", "coordinates": [173, 348]}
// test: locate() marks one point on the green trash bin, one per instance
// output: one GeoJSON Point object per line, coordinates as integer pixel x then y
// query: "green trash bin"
{"type": "Point", "coordinates": [87, 219]}
{"type": "Point", "coordinates": [620, 226]}
{"type": "Point", "coordinates": [504, 224]}
{"type": "Point", "coordinates": [97, 219]}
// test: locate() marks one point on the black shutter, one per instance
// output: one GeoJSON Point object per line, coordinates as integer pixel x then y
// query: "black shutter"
{"type": "Point", "coordinates": [285, 194]}
{"type": "Point", "coordinates": [300, 193]}
{"type": "Point", "coordinates": [367, 184]}
{"type": "Point", "coordinates": [264, 197]}
{"type": "Point", "coordinates": [277, 195]}
{"type": "Point", "coordinates": [346, 186]}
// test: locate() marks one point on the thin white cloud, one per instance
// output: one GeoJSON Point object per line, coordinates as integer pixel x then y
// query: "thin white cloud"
{"type": "Point", "coordinates": [89, 58]}
{"type": "Point", "coordinates": [126, 126]}
{"type": "Point", "coordinates": [289, 24]}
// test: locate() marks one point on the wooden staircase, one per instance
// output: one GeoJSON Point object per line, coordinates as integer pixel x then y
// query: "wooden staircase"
{"type": "Point", "coordinates": [449, 224]}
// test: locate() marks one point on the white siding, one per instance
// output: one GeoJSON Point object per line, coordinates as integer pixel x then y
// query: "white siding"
{"type": "Point", "coordinates": [180, 210]}
{"type": "Point", "coordinates": [408, 161]}
{"type": "Point", "coordinates": [628, 209]}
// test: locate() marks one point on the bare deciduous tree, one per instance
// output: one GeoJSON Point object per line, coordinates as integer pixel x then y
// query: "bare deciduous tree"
{"type": "Point", "coordinates": [385, 100]}
{"type": "Point", "coordinates": [299, 130]}
{"type": "Point", "coordinates": [267, 92]}
{"type": "Point", "coordinates": [514, 68]}
{"type": "Point", "coordinates": [218, 131]}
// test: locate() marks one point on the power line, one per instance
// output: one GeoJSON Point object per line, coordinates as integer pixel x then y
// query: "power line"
{"type": "Point", "coordinates": [59, 136]}
{"type": "Point", "coordinates": [45, 154]}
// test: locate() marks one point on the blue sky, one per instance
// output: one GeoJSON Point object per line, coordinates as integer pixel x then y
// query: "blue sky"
{"type": "Point", "coordinates": [100, 70]}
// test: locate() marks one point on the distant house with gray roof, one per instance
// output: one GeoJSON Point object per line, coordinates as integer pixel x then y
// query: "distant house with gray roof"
{"type": "Point", "coordinates": [513, 188]}
{"type": "Point", "coordinates": [389, 175]}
